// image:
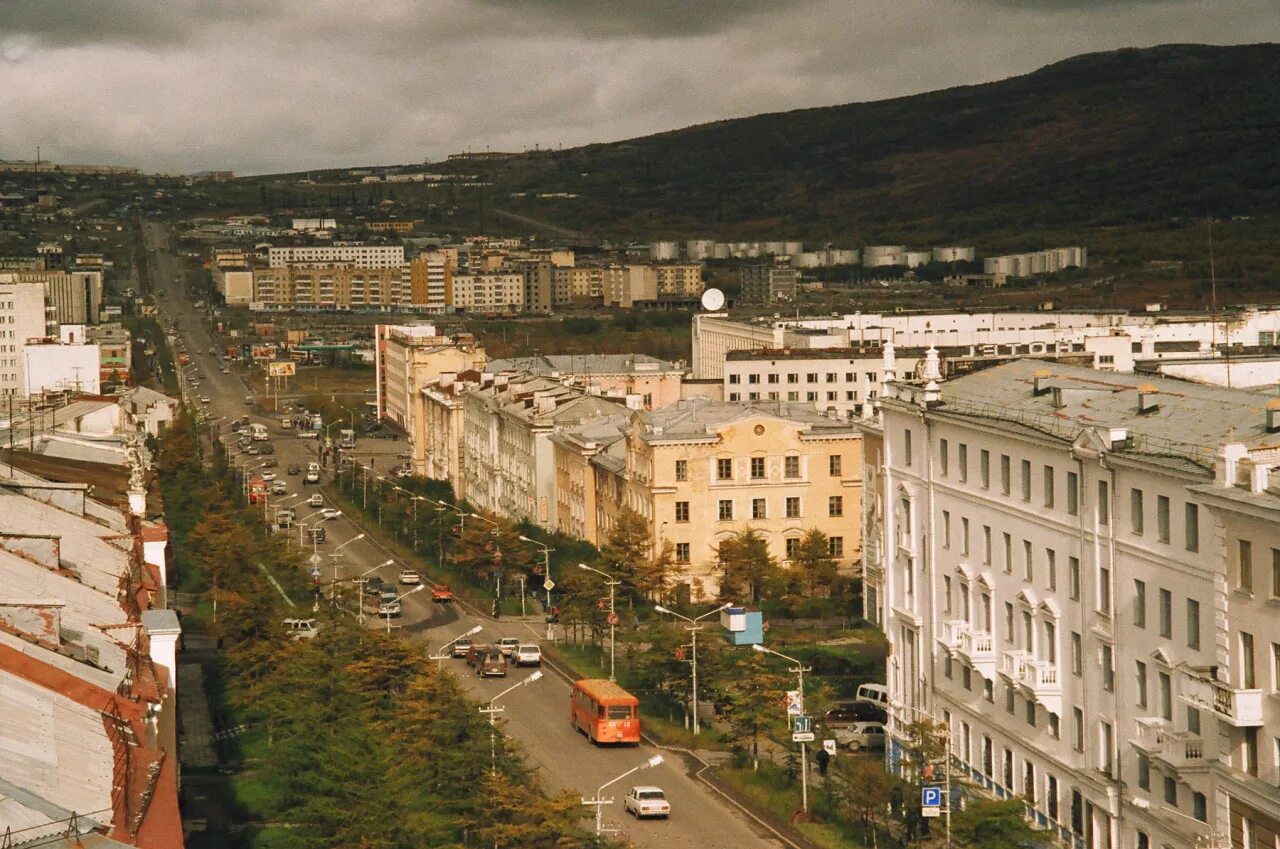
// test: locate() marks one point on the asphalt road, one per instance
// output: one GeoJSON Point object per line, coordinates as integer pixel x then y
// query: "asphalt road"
{"type": "Point", "coordinates": [537, 715]}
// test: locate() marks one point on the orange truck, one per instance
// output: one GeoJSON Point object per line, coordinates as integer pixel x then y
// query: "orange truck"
{"type": "Point", "coordinates": [257, 491]}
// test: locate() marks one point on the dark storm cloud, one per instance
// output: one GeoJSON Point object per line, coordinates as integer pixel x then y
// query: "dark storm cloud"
{"type": "Point", "coordinates": [274, 85]}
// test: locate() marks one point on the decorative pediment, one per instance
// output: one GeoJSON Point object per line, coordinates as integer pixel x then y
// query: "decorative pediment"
{"type": "Point", "coordinates": [1161, 658]}
{"type": "Point", "coordinates": [1050, 607]}
{"type": "Point", "coordinates": [1028, 598]}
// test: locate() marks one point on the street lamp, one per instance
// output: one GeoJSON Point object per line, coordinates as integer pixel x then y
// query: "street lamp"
{"type": "Point", "coordinates": [440, 655]}
{"type": "Point", "coordinates": [493, 710]}
{"type": "Point", "coordinates": [800, 669]}
{"type": "Point", "coordinates": [694, 627]}
{"type": "Point", "coordinates": [302, 524]}
{"type": "Point", "coordinates": [613, 617]}
{"type": "Point", "coordinates": [360, 583]}
{"type": "Point", "coordinates": [335, 555]}
{"type": "Point", "coordinates": [600, 802]}
{"type": "Point", "coordinates": [547, 583]}
{"type": "Point", "coordinates": [419, 588]}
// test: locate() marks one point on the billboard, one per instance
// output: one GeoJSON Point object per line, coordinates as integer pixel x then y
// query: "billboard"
{"type": "Point", "coordinates": [264, 352]}
{"type": "Point", "coordinates": [284, 369]}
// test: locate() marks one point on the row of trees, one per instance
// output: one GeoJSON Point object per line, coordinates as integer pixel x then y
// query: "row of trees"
{"type": "Point", "coordinates": [355, 737]}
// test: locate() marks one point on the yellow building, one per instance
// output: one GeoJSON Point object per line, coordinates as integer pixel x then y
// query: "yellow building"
{"type": "Point", "coordinates": [701, 471]}
{"type": "Point", "coordinates": [328, 286]}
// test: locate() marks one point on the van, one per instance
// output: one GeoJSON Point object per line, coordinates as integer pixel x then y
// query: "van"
{"type": "Point", "coordinates": [300, 629]}
{"type": "Point", "coordinates": [876, 694]}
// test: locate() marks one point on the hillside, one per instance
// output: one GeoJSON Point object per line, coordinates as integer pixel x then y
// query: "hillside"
{"type": "Point", "coordinates": [1120, 138]}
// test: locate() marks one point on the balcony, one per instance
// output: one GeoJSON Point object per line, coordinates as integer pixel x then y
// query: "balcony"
{"type": "Point", "coordinates": [952, 633]}
{"type": "Point", "coordinates": [1240, 708]}
{"type": "Point", "coordinates": [1181, 750]}
{"type": "Point", "coordinates": [978, 648]}
{"type": "Point", "coordinates": [1038, 677]}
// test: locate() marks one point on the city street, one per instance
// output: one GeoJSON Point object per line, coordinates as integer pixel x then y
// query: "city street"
{"type": "Point", "coordinates": [536, 716]}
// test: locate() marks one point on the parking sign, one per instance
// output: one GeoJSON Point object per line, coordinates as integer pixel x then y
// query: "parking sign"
{"type": "Point", "coordinates": [931, 800]}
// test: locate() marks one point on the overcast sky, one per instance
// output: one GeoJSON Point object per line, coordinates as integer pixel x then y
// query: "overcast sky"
{"type": "Point", "coordinates": [278, 85]}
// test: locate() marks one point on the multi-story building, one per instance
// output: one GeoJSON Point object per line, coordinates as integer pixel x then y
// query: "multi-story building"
{"type": "Point", "coordinates": [654, 382]}
{"type": "Point", "coordinates": [1064, 565]}
{"type": "Point", "coordinates": [73, 297]}
{"type": "Point", "coordinates": [115, 350]}
{"type": "Point", "coordinates": [235, 283]}
{"type": "Point", "coordinates": [408, 358]}
{"type": "Point", "coordinates": [768, 283]}
{"type": "Point", "coordinates": [507, 455]}
{"type": "Point", "coordinates": [328, 287]}
{"type": "Point", "coordinates": [358, 254]}
{"type": "Point", "coordinates": [679, 281]}
{"type": "Point", "coordinates": [488, 292]}
{"type": "Point", "coordinates": [439, 429]}
{"type": "Point", "coordinates": [538, 285]}
{"type": "Point", "coordinates": [431, 281]}
{"type": "Point", "coordinates": [840, 380]}
{"type": "Point", "coordinates": [22, 317]}
{"type": "Point", "coordinates": [630, 286]}
{"type": "Point", "coordinates": [51, 365]}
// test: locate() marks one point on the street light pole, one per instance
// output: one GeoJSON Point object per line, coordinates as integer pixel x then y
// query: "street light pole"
{"type": "Point", "coordinates": [493, 710]}
{"type": "Point", "coordinates": [800, 669]}
{"type": "Point", "coordinates": [693, 628]}
{"type": "Point", "coordinates": [333, 596]}
{"type": "Point", "coordinates": [599, 801]}
{"type": "Point", "coordinates": [613, 616]}
{"type": "Point", "coordinates": [416, 589]}
{"type": "Point", "coordinates": [547, 583]}
{"type": "Point", "coordinates": [440, 656]}
{"type": "Point", "coordinates": [360, 583]}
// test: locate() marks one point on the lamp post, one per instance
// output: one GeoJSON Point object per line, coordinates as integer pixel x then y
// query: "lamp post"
{"type": "Point", "coordinates": [334, 555]}
{"type": "Point", "coordinates": [800, 669]}
{"type": "Point", "coordinates": [493, 710]}
{"type": "Point", "coordinates": [612, 582]}
{"type": "Point", "coordinates": [302, 524]}
{"type": "Point", "coordinates": [419, 588]}
{"type": "Point", "coordinates": [440, 656]}
{"type": "Point", "coordinates": [360, 583]}
{"type": "Point", "coordinates": [693, 628]}
{"type": "Point", "coordinates": [547, 583]}
{"type": "Point", "coordinates": [599, 802]}
{"type": "Point", "coordinates": [494, 528]}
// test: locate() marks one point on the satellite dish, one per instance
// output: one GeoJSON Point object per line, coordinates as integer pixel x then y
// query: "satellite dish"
{"type": "Point", "coordinates": [712, 300]}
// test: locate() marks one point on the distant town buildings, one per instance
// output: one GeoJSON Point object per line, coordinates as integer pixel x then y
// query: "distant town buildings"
{"type": "Point", "coordinates": [768, 283]}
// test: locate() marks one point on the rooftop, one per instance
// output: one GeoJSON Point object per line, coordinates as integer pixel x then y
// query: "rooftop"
{"type": "Point", "coordinates": [696, 417]}
{"type": "Point", "coordinates": [584, 364]}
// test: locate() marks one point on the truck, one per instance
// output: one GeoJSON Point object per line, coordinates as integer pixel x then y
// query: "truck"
{"type": "Point", "coordinates": [257, 491]}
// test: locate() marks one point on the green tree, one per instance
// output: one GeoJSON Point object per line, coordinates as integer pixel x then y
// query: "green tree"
{"type": "Point", "coordinates": [747, 570]}
{"type": "Point", "coordinates": [813, 569]}
{"type": "Point", "coordinates": [863, 791]}
{"type": "Point", "coordinates": [997, 824]}
{"type": "Point", "coordinates": [626, 549]}
{"type": "Point", "coordinates": [752, 700]}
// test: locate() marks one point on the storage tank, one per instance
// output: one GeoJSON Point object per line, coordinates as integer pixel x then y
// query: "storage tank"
{"type": "Point", "coordinates": [954, 253]}
{"type": "Point", "coordinates": [699, 249]}
{"type": "Point", "coordinates": [793, 248]}
{"type": "Point", "coordinates": [876, 256]}
{"type": "Point", "coordinates": [664, 251]}
{"type": "Point", "coordinates": [915, 259]}
{"type": "Point", "coordinates": [843, 256]}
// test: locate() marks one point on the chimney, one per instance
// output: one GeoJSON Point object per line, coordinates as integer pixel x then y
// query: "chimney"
{"type": "Point", "coordinates": [932, 394]}
{"type": "Point", "coordinates": [1273, 415]}
{"type": "Point", "coordinates": [1147, 393]}
{"type": "Point", "coordinates": [890, 364]}
{"type": "Point", "coordinates": [932, 366]}
{"type": "Point", "coordinates": [1042, 377]}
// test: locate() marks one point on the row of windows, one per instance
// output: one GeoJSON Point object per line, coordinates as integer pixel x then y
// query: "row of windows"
{"type": "Point", "coordinates": [757, 468]}
{"type": "Point", "coordinates": [1244, 568]}
{"type": "Point", "coordinates": [835, 548]}
{"type": "Point", "coordinates": [760, 508]}
{"type": "Point", "coordinates": [735, 397]}
{"type": "Point", "coordinates": [810, 377]}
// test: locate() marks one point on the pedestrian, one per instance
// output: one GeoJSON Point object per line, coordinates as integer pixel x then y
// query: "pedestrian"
{"type": "Point", "coordinates": [824, 758]}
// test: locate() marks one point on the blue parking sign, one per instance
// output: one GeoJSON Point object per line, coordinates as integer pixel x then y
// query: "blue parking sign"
{"type": "Point", "coordinates": [931, 797]}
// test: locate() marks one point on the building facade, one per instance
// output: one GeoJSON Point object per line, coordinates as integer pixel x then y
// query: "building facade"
{"type": "Point", "coordinates": [359, 255]}
{"type": "Point", "coordinates": [654, 383]}
{"type": "Point", "coordinates": [22, 318]}
{"type": "Point", "coordinates": [768, 283]}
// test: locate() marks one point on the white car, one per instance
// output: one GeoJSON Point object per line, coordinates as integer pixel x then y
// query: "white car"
{"type": "Point", "coordinates": [205, 399]}
{"type": "Point", "coordinates": [268, 476]}
{"type": "Point", "coordinates": [861, 735]}
{"type": "Point", "coordinates": [646, 801]}
{"type": "Point", "coordinates": [311, 477]}
{"type": "Point", "coordinates": [279, 487]}
{"type": "Point", "coordinates": [410, 576]}
{"type": "Point", "coordinates": [528, 654]}
{"type": "Point", "coordinates": [316, 500]}
{"type": "Point", "coordinates": [330, 513]}
{"type": "Point", "coordinates": [508, 645]}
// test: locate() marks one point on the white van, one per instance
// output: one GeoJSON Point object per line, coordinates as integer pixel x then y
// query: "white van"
{"type": "Point", "coordinates": [876, 694]}
{"type": "Point", "coordinates": [300, 629]}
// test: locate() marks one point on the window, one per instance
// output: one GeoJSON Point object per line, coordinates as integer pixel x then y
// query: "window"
{"type": "Point", "coordinates": [726, 510]}
{"type": "Point", "coordinates": [682, 470]}
{"type": "Point", "coordinates": [987, 749]}
{"type": "Point", "coordinates": [1073, 493]}
{"type": "Point", "coordinates": [1104, 591]}
{"type": "Point", "coordinates": [1245, 566]}
{"type": "Point", "coordinates": [791, 396]}
{"type": "Point", "coordinates": [735, 379]}
{"type": "Point", "coordinates": [1048, 487]}
{"type": "Point", "coordinates": [813, 396]}
{"type": "Point", "coordinates": [831, 377]}
{"type": "Point", "coordinates": [1008, 621]}
{"type": "Point", "coordinates": [733, 397]}
{"type": "Point", "coordinates": [811, 377]}
{"type": "Point", "coordinates": [757, 468]}
{"type": "Point", "coordinates": [1165, 684]}
{"type": "Point", "coordinates": [682, 511]}
{"type": "Point", "coordinates": [946, 529]}
{"type": "Point", "coordinates": [1166, 614]}
{"type": "Point", "coordinates": [835, 546]}
{"type": "Point", "coordinates": [964, 536]}
{"type": "Point", "coordinates": [791, 467]}
{"type": "Point", "coordinates": [1028, 566]}
{"type": "Point", "coordinates": [1144, 771]}
{"type": "Point", "coordinates": [1008, 769]}
{"type": "Point", "coordinates": [1073, 578]}
{"type": "Point", "coordinates": [1008, 554]}
{"type": "Point", "coordinates": [1055, 726]}
{"type": "Point", "coordinates": [1247, 677]}
{"type": "Point", "coordinates": [984, 468]}
{"type": "Point", "coordinates": [1026, 480]}
{"type": "Point", "coordinates": [773, 378]}
{"type": "Point", "coordinates": [792, 543]}
{"type": "Point", "coordinates": [758, 510]}
{"type": "Point", "coordinates": [963, 458]}
{"type": "Point", "coordinates": [943, 458]}
{"type": "Point", "coordinates": [793, 378]}
{"type": "Point", "coordinates": [1193, 624]}
{"type": "Point", "coordinates": [1030, 710]}
{"type": "Point", "coordinates": [906, 447]}
{"type": "Point", "coordinates": [1029, 779]}
{"type": "Point", "coordinates": [1141, 678]}
{"type": "Point", "coordinates": [753, 378]}
{"type": "Point", "coordinates": [1051, 792]}
{"type": "Point", "coordinates": [967, 677]}
{"type": "Point", "coordinates": [1106, 746]}
{"type": "Point", "coordinates": [682, 552]}
{"type": "Point", "coordinates": [989, 690]}
{"type": "Point", "coordinates": [1275, 573]}
{"type": "Point", "coordinates": [1004, 474]}
{"type": "Point", "coordinates": [1249, 751]}
{"type": "Point", "coordinates": [1077, 654]}
{"type": "Point", "coordinates": [986, 544]}
{"type": "Point", "coordinates": [793, 507]}
{"type": "Point", "coordinates": [1077, 729]}
{"type": "Point", "coordinates": [1162, 518]}
{"type": "Point", "coordinates": [1104, 504]}
{"type": "Point", "coordinates": [1199, 806]}
{"type": "Point", "coordinates": [1010, 699]}
{"type": "Point", "coordinates": [1108, 668]}
{"type": "Point", "coordinates": [1051, 567]}
{"type": "Point", "coordinates": [1192, 529]}
{"type": "Point", "coordinates": [835, 506]}
{"type": "Point", "coordinates": [724, 469]}
{"type": "Point", "coordinates": [1135, 511]}
{"type": "Point", "coordinates": [1143, 841]}
{"type": "Point", "coordinates": [834, 462]}
{"type": "Point", "coordinates": [1171, 790]}
{"type": "Point", "coordinates": [1140, 604]}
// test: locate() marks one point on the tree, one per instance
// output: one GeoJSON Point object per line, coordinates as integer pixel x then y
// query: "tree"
{"type": "Point", "coordinates": [747, 569]}
{"type": "Point", "coordinates": [812, 566]}
{"type": "Point", "coordinates": [626, 547]}
{"type": "Point", "coordinates": [863, 790]}
{"type": "Point", "coordinates": [996, 824]}
{"type": "Point", "coordinates": [753, 700]}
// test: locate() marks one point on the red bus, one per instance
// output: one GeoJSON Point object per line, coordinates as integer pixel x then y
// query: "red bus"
{"type": "Point", "coordinates": [604, 712]}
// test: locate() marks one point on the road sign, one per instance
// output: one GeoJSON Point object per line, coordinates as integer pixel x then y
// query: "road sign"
{"type": "Point", "coordinates": [931, 800]}
{"type": "Point", "coordinates": [315, 559]}
{"type": "Point", "coordinates": [548, 585]}
{"type": "Point", "coordinates": [315, 571]}
{"type": "Point", "coordinates": [801, 724]}
{"type": "Point", "coordinates": [830, 746]}
{"type": "Point", "coordinates": [802, 737]}
{"type": "Point", "coordinates": [931, 812]}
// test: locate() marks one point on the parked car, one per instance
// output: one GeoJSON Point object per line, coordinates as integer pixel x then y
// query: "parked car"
{"type": "Point", "coordinates": [295, 469]}
{"type": "Point", "coordinates": [861, 735]}
{"type": "Point", "coordinates": [267, 448]}
{"type": "Point", "coordinates": [270, 463]}
{"type": "Point", "coordinates": [410, 577]}
{"type": "Point", "coordinates": [508, 645]}
{"type": "Point", "coordinates": [461, 647]}
{"type": "Point", "coordinates": [389, 608]}
{"type": "Point", "coordinates": [373, 586]}
{"type": "Point", "coordinates": [268, 476]}
{"type": "Point", "coordinates": [876, 694]}
{"type": "Point", "coordinates": [528, 654]}
{"type": "Point", "coordinates": [493, 664]}
{"type": "Point", "coordinates": [646, 801]}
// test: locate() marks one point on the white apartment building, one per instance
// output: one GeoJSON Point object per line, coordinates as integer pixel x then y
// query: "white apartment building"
{"type": "Point", "coordinates": [1148, 335]}
{"type": "Point", "coordinates": [1070, 570]}
{"type": "Point", "coordinates": [54, 366]}
{"type": "Point", "coordinates": [360, 255]}
{"type": "Point", "coordinates": [839, 380]}
{"type": "Point", "coordinates": [497, 292]}
{"type": "Point", "coordinates": [441, 424]}
{"type": "Point", "coordinates": [22, 317]}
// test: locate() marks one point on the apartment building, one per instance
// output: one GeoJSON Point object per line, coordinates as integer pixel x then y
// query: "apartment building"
{"type": "Point", "coordinates": [22, 317]}
{"type": "Point", "coordinates": [538, 285]}
{"type": "Point", "coordinates": [1064, 565]}
{"type": "Point", "coordinates": [358, 254]}
{"type": "Point", "coordinates": [655, 383]}
{"type": "Point", "coordinates": [678, 281]}
{"type": "Point", "coordinates": [431, 281]}
{"type": "Point", "coordinates": [507, 454]}
{"type": "Point", "coordinates": [439, 429]}
{"type": "Point", "coordinates": [839, 380]}
{"type": "Point", "coordinates": [328, 287]}
{"type": "Point", "coordinates": [768, 283]}
{"type": "Point", "coordinates": [488, 292]}
{"type": "Point", "coordinates": [700, 471]}
{"type": "Point", "coordinates": [235, 283]}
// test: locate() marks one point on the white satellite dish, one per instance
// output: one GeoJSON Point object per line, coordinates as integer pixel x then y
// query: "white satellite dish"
{"type": "Point", "coordinates": [712, 300]}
